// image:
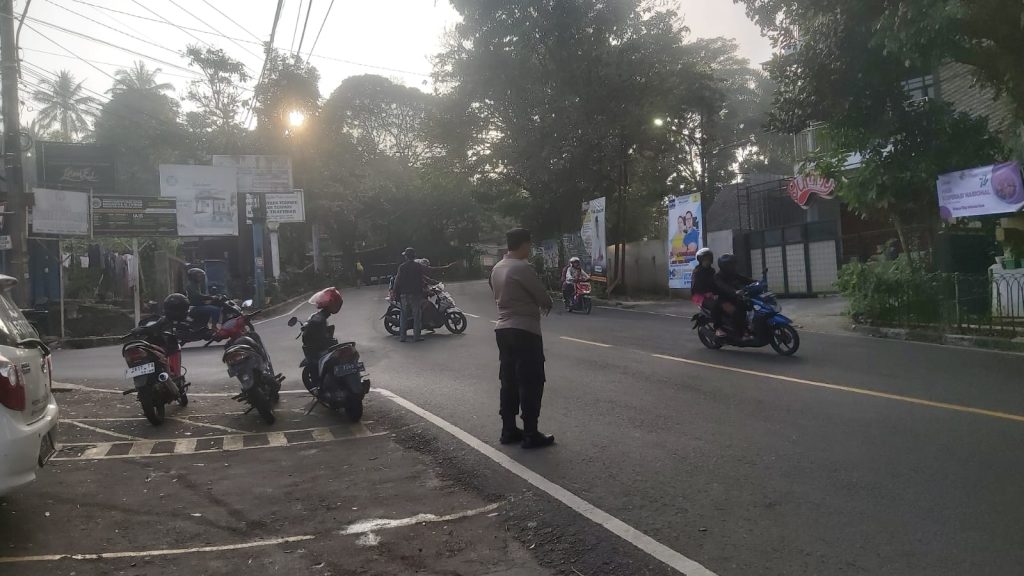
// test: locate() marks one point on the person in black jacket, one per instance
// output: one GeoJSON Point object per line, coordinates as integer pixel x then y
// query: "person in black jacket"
{"type": "Point", "coordinates": [705, 290]}
{"type": "Point", "coordinates": [728, 285]}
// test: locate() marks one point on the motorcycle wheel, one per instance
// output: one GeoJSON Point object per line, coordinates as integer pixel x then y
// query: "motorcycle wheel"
{"type": "Point", "coordinates": [707, 337]}
{"type": "Point", "coordinates": [784, 339]}
{"type": "Point", "coordinates": [456, 322]}
{"type": "Point", "coordinates": [392, 320]}
{"type": "Point", "coordinates": [588, 305]}
{"type": "Point", "coordinates": [354, 407]}
{"type": "Point", "coordinates": [261, 402]}
{"type": "Point", "coordinates": [183, 399]}
{"type": "Point", "coordinates": [307, 378]}
{"type": "Point", "coordinates": [153, 409]}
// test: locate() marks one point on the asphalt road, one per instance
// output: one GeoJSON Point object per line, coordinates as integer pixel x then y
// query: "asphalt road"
{"type": "Point", "coordinates": [857, 456]}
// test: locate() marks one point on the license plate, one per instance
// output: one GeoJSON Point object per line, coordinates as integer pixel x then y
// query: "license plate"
{"type": "Point", "coordinates": [47, 448]}
{"type": "Point", "coordinates": [344, 369]}
{"type": "Point", "coordinates": [140, 370]}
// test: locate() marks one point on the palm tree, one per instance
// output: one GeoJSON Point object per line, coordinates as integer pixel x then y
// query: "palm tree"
{"type": "Point", "coordinates": [139, 77]}
{"type": "Point", "coordinates": [65, 105]}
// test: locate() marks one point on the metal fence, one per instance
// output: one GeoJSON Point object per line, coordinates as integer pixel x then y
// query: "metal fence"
{"type": "Point", "coordinates": [991, 304]}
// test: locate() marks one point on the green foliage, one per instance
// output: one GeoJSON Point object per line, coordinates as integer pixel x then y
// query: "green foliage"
{"type": "Point", "coordinates": [289, 84]}
{"type": "Point", "coordinates": [65, 106]}
{"type": "Point", "coordinates": [892, 292]}
{"type": "Point", "coordinates": [215, 128]}
{"type": "Point", "coordinates": [138, 77]}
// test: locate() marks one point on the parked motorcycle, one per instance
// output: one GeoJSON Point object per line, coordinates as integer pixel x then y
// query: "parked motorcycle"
{"type": "Point", "coordinates": [248, 360]}
{"type": "Point", "coordinates": [764, 320]}
{"type": "Point", "coordinates": [439, 310]}
{"type": "Point", "coordinates": [581, 301]}
{"type": "Point", "coordinates": [333, 373]}
{"type": "Point", "coordinates": [153, 356]}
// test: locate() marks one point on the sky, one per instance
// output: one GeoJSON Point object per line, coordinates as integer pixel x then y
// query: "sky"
{"type": "Point", "coordinates": [394, 38]}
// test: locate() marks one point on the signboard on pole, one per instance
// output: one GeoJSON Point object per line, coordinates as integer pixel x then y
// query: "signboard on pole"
{"type": "Point", "coordinates": [260, 174]}
{"type": "Point", "coordinates": [996, 189]}
{"type": "Point", "coordinates": [134, 216]}
{"type": "Point", "coordinates": [5, 238]}
{"type": "Point", "coordinates": [281, 208]}
{"type": "Point", "coordinates": [81, 166]}
{"type": "Point", "coordinates": [60, 212]}
{"type": "Point", "coordinates": [592, 230]}
{"type": "Point", "coordinates": [207, 198]}
{"type": "Point", "coordinates": [685, 238]}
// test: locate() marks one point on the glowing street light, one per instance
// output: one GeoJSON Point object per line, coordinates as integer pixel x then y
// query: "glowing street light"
{"type": "Point", "coordinates": [659, 122]}
{"type": "Point", "coordinates": [296, 118]}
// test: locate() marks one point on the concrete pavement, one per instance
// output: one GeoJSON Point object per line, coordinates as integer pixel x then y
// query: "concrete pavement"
{"type": "Point", "coordinates": [856, 456]}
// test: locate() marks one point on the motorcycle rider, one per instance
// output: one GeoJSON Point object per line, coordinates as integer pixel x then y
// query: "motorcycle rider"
{"type": "Point", "coordinates": [703, 291]}
{"type": "Point", "coordinates": [317, 335]}
{"type": "Point", "coordinates": [729, 284]}
{"type": "Point", "coordinates": [205, 311]}
{"type": "Point", "coordinates": [573, 273]}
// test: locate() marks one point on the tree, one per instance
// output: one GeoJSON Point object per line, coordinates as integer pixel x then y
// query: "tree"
{"type": "Point", "coordinates": [219, 96]}
{"type": "Point", "coordinates": [65, 105]}
{"type": "Point", "coordinates": [290, 84]}
{"type": "Point", "coordinates": [142, 129]}
{"type": "Point", "coordinates": [139, 77]}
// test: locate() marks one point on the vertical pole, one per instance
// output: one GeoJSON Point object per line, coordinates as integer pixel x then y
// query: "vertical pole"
{"type": "Point", "coordinates": [60, 252]}
{"type": "Point", "coordinates": [316, 247]}
{"type": "Point", "coordinates": [137, 296]}
{"type": "Point", "coordinates": [12, 150]}
{"type": "Point", "coordinates": [259, 219]}
{"type": "Point", "coordinates": [275, 249]}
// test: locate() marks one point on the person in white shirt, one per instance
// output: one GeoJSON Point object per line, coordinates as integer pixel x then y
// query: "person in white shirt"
{"type": "Point", "coordinates": [574, 273]}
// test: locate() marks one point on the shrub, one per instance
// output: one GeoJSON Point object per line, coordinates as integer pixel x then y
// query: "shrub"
{"type": "Point", "coordinates": [896, 291]}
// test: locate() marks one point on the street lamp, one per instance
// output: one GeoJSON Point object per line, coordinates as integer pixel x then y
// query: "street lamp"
{"type": "Point", "coordinates": [659, 122]}
{"type": "Point", "coordinates": [296, 118]}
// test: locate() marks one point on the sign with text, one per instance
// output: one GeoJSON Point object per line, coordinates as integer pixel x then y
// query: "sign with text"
{"type": "Point", "coordinates": [207, 198]}
{"type": "Point", "coordinates": [995, 189]}
{"type": "Point", "coordinates": [77, 166]}
{"type": "Point", "coordinates": [60, 212]}
{"type": "Point", "coordinates": [260, 174]}
{"type": "Point", "coordinates": [281, 208]}
{"type": "Point", "coordinates": [802, 188]}
{"type": "Point", "coordinates": [134, 216]}
{"type": "Point", "coordinates": [592, 230]}
{"type": "Point", "coordinates": [685, 239]}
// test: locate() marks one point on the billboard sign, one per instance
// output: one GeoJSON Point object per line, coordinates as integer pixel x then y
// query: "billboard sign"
{"type": "Point", "coordinates": [995, 189]}
{"type": "Point", "coordinates": [207, 198]}
{"type": "Point", "coordinates": [802, 188]}
{"type": "Point", "coordinates": [592, 230]}
{"type": "Point", "coordinates": [685, 238]}
{"type": "Point", "coordinates": [282, 208]}
{"type": "Point", "coordinates": [260, 174]}
{"type": "Point", "coordinates": [134, 216]}
{"type": "Point", "coordinates": [76, 166]}
{"type": "Point", "coordinates": [60, 212]}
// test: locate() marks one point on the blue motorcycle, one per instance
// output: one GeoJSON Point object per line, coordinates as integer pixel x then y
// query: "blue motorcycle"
{"type": "Point", "coordinates": [766, 324]}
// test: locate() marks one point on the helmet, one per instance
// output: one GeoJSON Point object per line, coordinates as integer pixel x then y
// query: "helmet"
{"type": "Point", "coordinates": [328, 299]}
{"type": "Point", "coordinates": [197, 274]}
{"type": "Point", "coordinates": [705, 253]}
{"type": "Point", "coordinates": [727, 263]}
{"type": "Point", "coordinates": [574, 260]}
{"type": "Point", "coordinates": [409, 253]}
{"type": "Point", "coordinates": [176, 307]}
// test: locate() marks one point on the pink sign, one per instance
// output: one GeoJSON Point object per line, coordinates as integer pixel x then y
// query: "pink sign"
{"type": "Point", "coordinates": [801, 188]}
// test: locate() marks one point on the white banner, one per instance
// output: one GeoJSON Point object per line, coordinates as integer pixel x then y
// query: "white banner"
{"type": "Point", "coordinates": [60, 212]}
{"type": "Point", "coordinates": [282, 208]}
{"type": "Point", "coordinates": [207, 198]}
{"type": "Point", "coordinates": [994, 189]}
{"type": "Point", "coordinates": [260, 174]}
{"type": "Point", "coordinates": [684, 239]}
{"type": "Point", "coordinates": [592, 231]}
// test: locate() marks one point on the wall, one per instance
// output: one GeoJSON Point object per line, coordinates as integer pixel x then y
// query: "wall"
{"type": "Point", "coordinates": [957, 86]}
{"type": "Point", "coordinates": [646, 266]}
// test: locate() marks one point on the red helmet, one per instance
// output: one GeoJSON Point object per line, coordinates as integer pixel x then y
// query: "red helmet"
{"type": "Point", "coordinates": [329, 299]}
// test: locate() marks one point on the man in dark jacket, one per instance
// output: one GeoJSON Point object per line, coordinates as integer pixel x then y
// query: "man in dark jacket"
{"type": "Point", "coordinates": [728, 284]}
{"type": "Point", "coordinates": [409, 284]}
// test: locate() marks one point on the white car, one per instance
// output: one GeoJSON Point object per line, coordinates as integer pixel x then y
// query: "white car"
{"type": "Point", "coordinates": [28, 410]}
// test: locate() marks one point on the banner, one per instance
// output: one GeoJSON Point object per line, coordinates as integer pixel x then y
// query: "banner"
{"type": "Point", "coordinates": [549, 249]}
{"type": "Point", "coordinates": [207, 198]}
{"type": "Point", "coordinates": [78, 166]}
{"type": "Point", "coordinates": [260, 174]}
{"type": "Point", "coordinates": [134, 216]}
{"type": "Point", "coordinates": [592, 231]}
{"type": "Point", "coordinates": [60, 212]}
{"type": "Point", "coordinates": [280, 207]}
{"type": "Point", "coordinates": [685, 238]}
{"type": "Point", "coordinates": [993, 189]}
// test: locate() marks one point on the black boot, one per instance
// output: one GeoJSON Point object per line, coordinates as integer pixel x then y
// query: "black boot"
{"type": "Point", "coordinates": [533, 438]}
{"type": "Point", "coordinates": [510, 433]}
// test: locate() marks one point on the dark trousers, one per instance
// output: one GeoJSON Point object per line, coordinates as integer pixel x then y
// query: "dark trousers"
{"type": "Point", "coordinates": [568, 292]}
{"type": "Point", "coordinates": [521, 354]}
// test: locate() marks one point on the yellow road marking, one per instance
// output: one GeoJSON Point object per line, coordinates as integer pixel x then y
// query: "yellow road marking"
{"type": "Point", "coordinates": [852, 390]}
{"type": "Point", "coordinates": [585, 342]}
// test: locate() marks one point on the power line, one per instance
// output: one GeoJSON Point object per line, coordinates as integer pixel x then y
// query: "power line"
{"type": "Point", "coordinates": [185, 10]}
{"type": "Point", "coordinates": [266, 60]}
{"type": "Point", "coordinates": [140, 39]}
{"type": "Point", "coordinates": [322, 23]}
{"type": "Point", "coordinates": [101, 62]}
{"type": "Point", "coordinates": [230, 19]}
{"type": "Point", "coordinates": [309, 8]}
{"type": "Point", "coordinates": [295, 31]}
{"type": "Point", "coordinates": [151, 11]}
{"type": "Point", "coordinates": [61, 46]}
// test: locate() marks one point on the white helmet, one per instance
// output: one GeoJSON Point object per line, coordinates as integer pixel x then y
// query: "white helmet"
{"type": "Point", "coordinates": [574, 260]}
{"type": "Point", "coordinates": [705, 252]}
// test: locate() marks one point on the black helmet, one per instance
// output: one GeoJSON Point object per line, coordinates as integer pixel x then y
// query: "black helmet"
{"type": "Point", "coordinates": [409, 253]}
{"type": "Point", "coordinates": [176, 307]}
{"type": "Point", "coordinates": [727, 263]}
{"type": "Point", "coordinates": [196, 274]}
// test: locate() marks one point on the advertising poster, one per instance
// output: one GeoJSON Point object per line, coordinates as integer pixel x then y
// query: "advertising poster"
{"type": "Point", "coordinates": [993, 189]}
{"type": "Point", "coordinates": [281, 208]}
{"type": "Point", "coordinates": [549, 249]}
{"type": "Point", "coordinates": [60, 212]}
{"type": "Point", "coordinates": [592, 231]}
{"type": "Point", "coordinates": [684, 239]}
{"type": "Point", "coordinates": [207, 198]}
{"type": "Point", "coordinates": [260, 174]}
{"type": "Point", "coordinates": [79, 166]}
{"type": "Point", "coordinates": [134, 216]}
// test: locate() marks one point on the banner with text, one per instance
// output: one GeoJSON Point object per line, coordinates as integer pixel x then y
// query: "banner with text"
{"type": "Point", "coordinates": [207, 198]}
{"type": "Point", "coordinates": [685, 238]}
{"type": "Point", "coordinates": [134, 216]}
{"type": "Point", "coordinates": [260, 174]}
{"type": "Point", "coordinates": [282, 208]}
{"type": "Point", "coordinates": [592, 230]}
{"type": "Point", "coordinates": [996, 189]}
{"type": "Point", "coordinates": [60, 212]}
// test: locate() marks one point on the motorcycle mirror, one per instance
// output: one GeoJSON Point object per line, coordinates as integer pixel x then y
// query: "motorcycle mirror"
{"type": "Point", "coordinates": [293, 321]}
{"type": "Point", "coordinates": [247, 304]}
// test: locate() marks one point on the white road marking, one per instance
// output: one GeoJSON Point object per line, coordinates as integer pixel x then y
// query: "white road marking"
{"type": "Point", "coordinates": [81, 388]}
{"type": "Point", "coordinates": [101, 430]}
{"type": "Point", "coordinates": [585, 342]}
{"type": "Point", "coordinates": [288, 313]}
{"type": "Point", "coordinates": [276, 439]}
{"type": "Point", "coordinates": [642, 541]}
{"type": "Point", "coordinates": [850, 389]}
{"type": "Point", "coordinates": [470, 315]}
{"type": "Point", "coordinates": [92, 453]}
{"type": "Point", "coordinates": [186, 446]}
{"type": "Point", "coordinates": [142, 448]}
{"type": "Point", "coordinates": [375, 524]}
{"type": "Point", "coordinates": [641, 311]}
{"type": "Point", "coordinates": [323, 435]}
{"type": "Point", "coordinates": [233, 443]}
{"type": "Point", "coordinates": [494, 321]}
{"type": "Point", "coordinates": [186, 420]}
{"type": "Point", "coordinates": [145, 553]}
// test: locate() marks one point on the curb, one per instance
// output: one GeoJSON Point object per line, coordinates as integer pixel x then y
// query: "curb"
{"type": "Point", "coordinates": [978, 342]}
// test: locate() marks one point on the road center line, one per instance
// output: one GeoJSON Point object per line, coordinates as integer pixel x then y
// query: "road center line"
{"type": "Point", "coordinates": [374, 524]}
{"type": "Point", "coordinates": [585, 342]}
{"type": "Point", "coordinates": [288, 313]}
{"type": "Point", "coordinates": [470, 315]}
{"type": "Point", "coordinates": [642, 541]}
{"type": "Point", "coordinates": [102, 431]}
{"type": "Point", "coordinates": [144, 553]}
{"type": "Point", "coordinates": [852, 390]}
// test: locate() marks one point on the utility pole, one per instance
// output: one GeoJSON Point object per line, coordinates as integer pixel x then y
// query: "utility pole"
{"type": "Point", "coordinates": [16, 200]}
{"type": "Point", "coordinates": [259, 220]}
